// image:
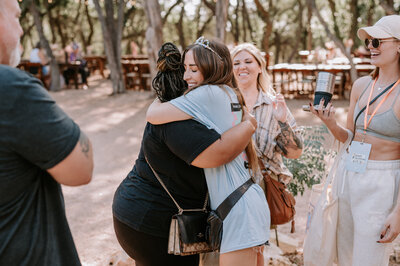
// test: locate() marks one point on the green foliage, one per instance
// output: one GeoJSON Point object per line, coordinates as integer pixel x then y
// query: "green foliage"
{"type": "Point", "coordinates": [312, 166]}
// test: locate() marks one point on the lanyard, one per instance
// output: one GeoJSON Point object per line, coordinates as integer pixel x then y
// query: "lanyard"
{"type": "Point", "coordinates": [366, 124]}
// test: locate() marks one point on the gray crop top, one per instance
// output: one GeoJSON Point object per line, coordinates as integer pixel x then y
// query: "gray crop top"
{"type": "Point", "coordinates": [384, 125]}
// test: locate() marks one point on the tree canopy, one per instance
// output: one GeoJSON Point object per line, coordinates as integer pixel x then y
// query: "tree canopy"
{"type": "Point", "coordinates": [281, 27]}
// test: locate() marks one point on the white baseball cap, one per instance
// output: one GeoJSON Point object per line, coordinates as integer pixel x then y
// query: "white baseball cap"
{"type": "Point", "coordinates": [386, 27]}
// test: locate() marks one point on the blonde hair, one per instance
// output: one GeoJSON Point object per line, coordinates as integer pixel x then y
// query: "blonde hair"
{"type": "Point", "coordinates": [263, 79]}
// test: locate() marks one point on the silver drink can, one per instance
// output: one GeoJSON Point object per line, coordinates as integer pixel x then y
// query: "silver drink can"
{"type": "Point", "coordinates": [325, 87]}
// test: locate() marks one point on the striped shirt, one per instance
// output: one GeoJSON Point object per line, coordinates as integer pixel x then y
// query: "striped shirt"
{"type": "Point", "coordinates": [265, 136]}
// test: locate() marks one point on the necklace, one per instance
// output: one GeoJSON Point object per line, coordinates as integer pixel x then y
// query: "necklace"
{"type": "Point", "coordinates": [381, 87]}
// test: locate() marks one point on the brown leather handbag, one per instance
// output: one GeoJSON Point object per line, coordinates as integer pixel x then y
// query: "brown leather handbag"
{"type": "Point", "coordinates": [280, 201]}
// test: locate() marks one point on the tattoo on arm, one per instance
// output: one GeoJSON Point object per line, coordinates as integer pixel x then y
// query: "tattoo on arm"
{"type": "Point", "coordinates": [288, 140]}
{"type": "Point", "coordinates": [84, 142]}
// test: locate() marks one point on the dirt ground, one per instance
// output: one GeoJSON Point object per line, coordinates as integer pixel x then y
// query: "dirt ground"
{"type": "Point", "coordinates": [115, 126]}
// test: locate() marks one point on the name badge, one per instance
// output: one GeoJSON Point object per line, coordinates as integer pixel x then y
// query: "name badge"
{"type": "Point", "coordinates": [357, 157]}
{"type": "Point", "coordinates": [235, 107]}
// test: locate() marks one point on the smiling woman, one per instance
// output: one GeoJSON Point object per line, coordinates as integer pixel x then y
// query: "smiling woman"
{"type": "Point", "coordinates": [276, 134]}
{"type": "Point", "coordinates": [389, 36]}
{"type": "Point", "coordinates": [192, 75]}
{"type": "Point", "coordinates": [369, 176]}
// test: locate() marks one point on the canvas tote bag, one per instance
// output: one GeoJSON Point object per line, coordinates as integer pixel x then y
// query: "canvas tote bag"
{"type": "Point", "coordinates": [320, 243]}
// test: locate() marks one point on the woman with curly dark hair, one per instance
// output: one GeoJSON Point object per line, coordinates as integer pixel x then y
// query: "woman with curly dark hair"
{"type": "Point", "coordinates": [142, 210]}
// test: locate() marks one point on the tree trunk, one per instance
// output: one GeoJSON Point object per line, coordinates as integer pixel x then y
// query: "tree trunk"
{"type": "Point", "coordinates": [63, 37]}
{"type": "Point", "coordinates": [55, 70]}
{"type": "Point", "coordinates": [336, 40]}
{"type": "Point", "coordinates": [388, 6]}
{"type": "Point", "coordinates": [265, 16]}
{"type": "Point", "coordinates": [278, 47]}
{"type": "Point", "coordinates": [87, 41]}
{"type": "Point", "coordinates": [235, 25]}
{"type": "Point", "coordinates": [267, 34]}
{"type": "Point", "coordinates": [370, 13]}
{"type": "Point", "coordinates": [78, 13]}
{"type": "Point", "coordinates": [112, 35]}
{"type": "Point", "coordinates": [164, 19]}
{"type": "Point", "coordinates": [309, 32]}
{"type": "Point", "coordinates": [332, 5]}
{"type": "Point", "coordinates": [27, 35]}
{"type": "Point", "coordinates": [300, 32]}
{"type": "Point", "coordinates": [211, 5]}
{"type": "Point", "coordinates": [154, 34]}
{"type": "Point", "coordinates": [203, 28]}
{"type": "Point", "coordinates": [52, 22]}
{"type": "Point", "coordinates": [246, 18]}
{"type": "Point", "coordinates": [221, 14]}
{"type": "Point", "coordinates": [179, 27]}
{"type": "Point", "coordinates": [355, 11]}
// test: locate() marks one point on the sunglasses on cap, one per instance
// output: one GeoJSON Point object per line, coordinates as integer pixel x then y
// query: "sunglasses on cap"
{"type": "Point", "coordinates": [377, 42]}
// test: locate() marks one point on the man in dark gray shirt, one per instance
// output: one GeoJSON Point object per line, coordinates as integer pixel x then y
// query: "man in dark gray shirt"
{"type": "Point", "coordinates": [40, 148]}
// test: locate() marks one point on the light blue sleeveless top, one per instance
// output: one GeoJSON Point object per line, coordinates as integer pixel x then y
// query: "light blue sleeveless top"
{"type": "Point", "coordinates": [248, 223]}
{"type": "Point", "coordinates": [383, 125]}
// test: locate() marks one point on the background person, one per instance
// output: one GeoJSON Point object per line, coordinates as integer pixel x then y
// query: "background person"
{"type": "Point", "coordinates": [74, 56]}
{"type": "Point", "coordinates": [142, 209]}
{"type": "Point", "coordinates": [369, 203]}
{"type": "Point", "coordinates": [40, 148]}
{"type": "Point", "coordinates": [39, 56]}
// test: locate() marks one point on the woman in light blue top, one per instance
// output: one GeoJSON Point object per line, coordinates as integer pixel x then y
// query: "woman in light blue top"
{"type": "Point", "coordinates": [213, 100]}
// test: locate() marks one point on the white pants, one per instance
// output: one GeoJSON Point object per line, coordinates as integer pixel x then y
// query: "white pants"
{"type": "Point", "coordinates": [365, 200]}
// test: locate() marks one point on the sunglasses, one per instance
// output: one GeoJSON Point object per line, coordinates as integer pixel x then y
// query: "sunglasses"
{"type": "Point", "coordinates": [377, 42]}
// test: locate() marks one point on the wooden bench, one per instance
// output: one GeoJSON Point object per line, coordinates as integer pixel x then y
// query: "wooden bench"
{"type": "Point", "coordinates": [36, 69]}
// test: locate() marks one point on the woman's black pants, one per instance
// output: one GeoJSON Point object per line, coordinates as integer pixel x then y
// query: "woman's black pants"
{"type": "Point", "coordinates": [148, 250]}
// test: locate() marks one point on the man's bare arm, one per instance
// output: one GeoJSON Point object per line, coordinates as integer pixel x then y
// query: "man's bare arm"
{"type": "Point", "coordinates": [77, 168]}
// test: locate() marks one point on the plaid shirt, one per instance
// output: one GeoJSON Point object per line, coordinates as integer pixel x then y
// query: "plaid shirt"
{"type": "Point", "coordinates": [265, 136]}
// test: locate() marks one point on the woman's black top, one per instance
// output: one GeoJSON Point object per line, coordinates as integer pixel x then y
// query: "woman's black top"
{"type": "Point", "coordinates": [140, 201]}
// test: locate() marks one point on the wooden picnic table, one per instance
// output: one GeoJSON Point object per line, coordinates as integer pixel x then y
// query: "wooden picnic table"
{"type": "Point", "coordinates": [74, 66]}
{"type": "Point", "coordinates": [96, 62]}
{"type": "Point", "coordinates": [299, 79]}
{"type": "Point", "coordinates": [35, 69]}
{"type": "Point", "coordinates": [135, 57]}
{"type": "Point", "coordinates": [136, 73]}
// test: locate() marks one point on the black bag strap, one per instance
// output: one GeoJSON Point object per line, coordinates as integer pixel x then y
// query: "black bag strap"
{"type": "Point", "coordinates": [365, 107]}
{"type": "Point", "coordinates": [180, 210]}
{"type": "Point", "coordinates": [225, 207]}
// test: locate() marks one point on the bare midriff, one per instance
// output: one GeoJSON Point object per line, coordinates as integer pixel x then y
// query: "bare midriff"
{"type": "Point", "coordinates": [381, 150]}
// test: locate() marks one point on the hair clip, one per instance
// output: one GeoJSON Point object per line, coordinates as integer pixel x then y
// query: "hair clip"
{"type": "Point", "coordinates": [206, 44]}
